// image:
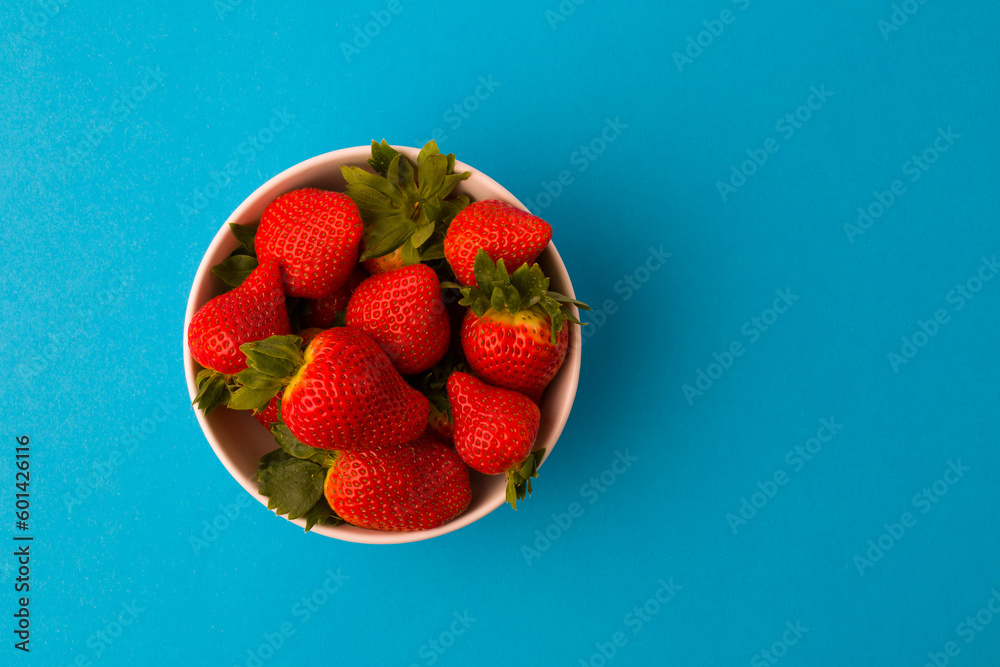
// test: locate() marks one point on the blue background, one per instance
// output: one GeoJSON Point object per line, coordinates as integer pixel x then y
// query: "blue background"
{"type": "Point", "coordinates": [99, 251]}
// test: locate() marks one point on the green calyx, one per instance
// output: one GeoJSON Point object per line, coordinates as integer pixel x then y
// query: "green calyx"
{"type": "Point", "coordinates": [293, 478]}
{"type": "Point", "coordinates": [271, 364]}
{"type": "Point", "coordinates": [526, 289]}
{"type": "Point", "coordinates": [241, 262]}
{"type": "Point", "coordinates": [406, 205]}
{"type": "Point", "coordinates": [519, 477]}
{"type": "Point", "coordinates": [214, 389]}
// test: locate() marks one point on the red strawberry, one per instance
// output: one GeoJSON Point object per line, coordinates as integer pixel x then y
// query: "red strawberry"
{"type": "Point", "coordinates": [503, 231]}
{"type": "Point", "coordinates": [343, 393]}
{"type": "Point", "coordinates": [323, 312]}
{"type": "Point", "coordinates": [419, 486]}
{"type": "Point", "coordinates": [516, 340]}
{"type": "Point", "coordinates": [514, 351]}
{"type": "Point", "coordinates": [253, 311]}
{"type": "Point", "coordinates": [268, 415]}
{"type": "Point", "coordinates": [385, 263]}
{"type": "Point", "coordinates": [404, 313]}
{"type": "Point", "coordinates": [315, 236]}
{"type": "Point", "coordinates": [494, 430]}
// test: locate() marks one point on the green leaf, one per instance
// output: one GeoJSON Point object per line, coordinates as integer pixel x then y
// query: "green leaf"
{"type": "Point", "coordinates": [475, 299]}
{"type": "Point", "coordinates": [213, 390]}
{"type": "Point", "coordinates": [497, 301]}
{"type": "Point", "coordinates": [253, 379]}
{"type": "Point", "coordinates": [401, 174]}
{"type": "Point", "coordinates": [565, 299]}
{"type": "Point", "coordinates": [511, 298]}
{"type": "Point", "coordinates": [429, 149]}
{"type": "Point", "coordinates": [245, 235]}
{"type": "Point", "coordinates": [519, 477]}
{"type": "Point", "coordinates": [272, 457]}
{"type": "Point", "coordinates": [409, 255]}
{"type": "Point", "coordinates": [531, 283]}
{"type": "Point", "coordinates": [246, 398]}
{"type": "Point", "coordinates": [288, 348]}
{"type": "Point", "coordinates": [321, 514]}
{"type": "Point", "coordinates": [271, 363]}
{"type": "Point", "coordinates": [382, 241]}
{"type": "Point", "coordinates": [432, 252]}
{"type": "Point", "coordinates": [292, 486]}
{"type": "Point", "coordinates": [454, 205]}
{"type": "Point", "coordinates": [501, 276]}
{"type": "Point", "coordinates": [382, 155]}
{"type": "Point", "coordinates": [432, 176]}
{"type": "Point", "coordinates": [235, 269]}
{"type": "Point", "coordinates": [371, 202]}
{"type": "Point", "coordinates": [288, 442]}
{"type": "Point", "coordinates": [357, 175]}
{"type": "Point", "coordinates": [485, 271]}
{"type": "Point", "coordinates": [421, 235]}
{"type": "Point", "coordinates": [274, 367]}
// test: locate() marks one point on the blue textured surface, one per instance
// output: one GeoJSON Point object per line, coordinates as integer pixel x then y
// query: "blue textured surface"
{"type": "Point", "coordinates": [113, 120]}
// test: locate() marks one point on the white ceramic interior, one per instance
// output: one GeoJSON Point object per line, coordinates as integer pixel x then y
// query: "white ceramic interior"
{"type": "Point", "coordinates": [237, 438]}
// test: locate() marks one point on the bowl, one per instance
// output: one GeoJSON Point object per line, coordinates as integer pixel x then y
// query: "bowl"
{"type": "Point", "coordinates": [239, 441]}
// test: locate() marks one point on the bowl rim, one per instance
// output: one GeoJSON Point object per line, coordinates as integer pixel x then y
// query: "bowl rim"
{"type": "Point", "coordinates": [276, 186]}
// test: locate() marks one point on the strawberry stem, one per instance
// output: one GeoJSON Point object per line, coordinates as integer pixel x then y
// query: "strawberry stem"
{"type": "Point", "coordinates": [519, 477]}
{"type": "Point", "coordinates": [271, 364]}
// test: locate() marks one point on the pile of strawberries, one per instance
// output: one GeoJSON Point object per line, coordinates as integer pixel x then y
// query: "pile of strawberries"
{"type": "Point", "coordinates": [381, 338]}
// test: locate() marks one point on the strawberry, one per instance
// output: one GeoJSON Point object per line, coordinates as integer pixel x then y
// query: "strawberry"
{"type": "Point", "coordinates": [406, 207]}
{"type": "Point", "coordinates": [323, 312]}
{"type": "Point", "coordinates": [267, 415]}
{"type": "Point", "coordinates": [385, 263]}
{"type": "Point", "coordinates": [513, 334]}
{"type": "Point", "coordinates": [342, 393]}
{"type": "Point", "coordinates": [404, 313]}
{"type": "Point", "coordinates": [419, 486]}
{"type": "Point", "coordinates": [315, 236]}
{"type": "Point", "coordinates": [494, 431]}
{"type": "Point", "coordinates": [503, 231]}
{"type": "Point", "coordinates": [253, 311]}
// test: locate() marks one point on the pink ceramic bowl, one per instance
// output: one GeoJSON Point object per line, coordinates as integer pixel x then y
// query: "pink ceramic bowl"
{"type": "Point", "coordinates": [237, 438]}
